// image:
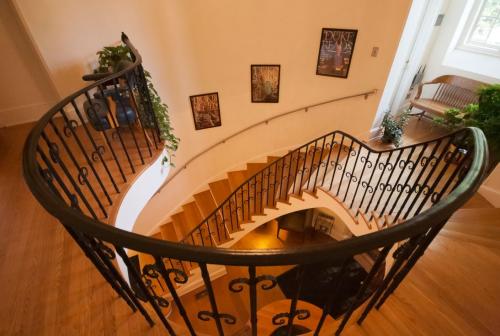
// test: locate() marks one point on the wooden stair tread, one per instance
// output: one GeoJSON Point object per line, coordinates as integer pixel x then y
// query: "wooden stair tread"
{"type": "Point", "coordinates": [255, 167]}
{"type": "Point", "coordinates": [206, 203]}
{"type": "Point", "coordinates": [180, 224]}
{"type": "Point", "coordinates": [192, 214]}
{"type": "Point", "coordinates": [236, 178]}
{"type": "Point", "coordinates": [220, 190]}
{"type": "Point", "coordinates": [271, 159]}
{"type": "Point", "coordinates": [168, 232]}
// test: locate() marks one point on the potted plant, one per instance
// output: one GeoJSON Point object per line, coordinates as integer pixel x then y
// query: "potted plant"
{"type": "Point", "coordinates": [484, 115]}
{"type": "Point", "coordinates": [115, 58]}
{"type": "Point", "coordinates": [393, 127]}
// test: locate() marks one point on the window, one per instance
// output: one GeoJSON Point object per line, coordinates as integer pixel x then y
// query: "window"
{"type": "Point", "coordinates": [482, 33]}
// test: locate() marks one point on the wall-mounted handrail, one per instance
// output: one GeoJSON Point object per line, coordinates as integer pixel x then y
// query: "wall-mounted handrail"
{"type": "Point", "coordinates": [306, 108]}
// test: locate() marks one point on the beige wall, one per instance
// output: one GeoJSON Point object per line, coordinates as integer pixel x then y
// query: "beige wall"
{"type": "Point", "coordinates": [25, 89]}
{"type": "Point", "coordinates": [197, 46]}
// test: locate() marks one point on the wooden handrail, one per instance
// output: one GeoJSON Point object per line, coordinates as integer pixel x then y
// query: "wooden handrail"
{"type": "Point", "coordinates": [184, 166]}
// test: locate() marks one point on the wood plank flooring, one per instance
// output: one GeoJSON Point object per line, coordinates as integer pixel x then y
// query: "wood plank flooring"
{"type": "Point", "coordinates": [47, 286]}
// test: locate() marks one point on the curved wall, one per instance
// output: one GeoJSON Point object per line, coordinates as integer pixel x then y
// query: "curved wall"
{"type": "Point", "coordinates": [200, 46]}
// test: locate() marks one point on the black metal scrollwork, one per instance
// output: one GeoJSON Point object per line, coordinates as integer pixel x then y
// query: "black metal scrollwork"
{"type": "Point", "coordinates": [106, 250]}
{"type": "Point", "coordinates": [236, 285]}
{"type": "Point", "coordinates": [82, 175]}
{"type": "Point", "coordinates": [95, 154]}
{"type": "Point", "coordinates": [369, 188]}
{"type": "Point", "coordinates": [351, 177]}
{"type": "Point", "coordinates": [73, 200]}
{"type": "Point", "coordinates": [47, 175]}
{"type": "Point", "coordinates": [369, 164]}
{"type": "Point", "coordinates": [399, 251]}
{"type": "Point", "coordinates": [69, 126]}
{"type": "Point", "coordinates": [301, 314]}
{"type": "Point", "coordinates": [151, 272]}
{"type": "Point", "coordinates": [54, 152]}
{"type": "Point", "coordinates": [205, 315]}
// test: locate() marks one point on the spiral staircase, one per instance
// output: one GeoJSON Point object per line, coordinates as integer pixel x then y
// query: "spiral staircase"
{"type": "Point", "coordinates": [394, 201]}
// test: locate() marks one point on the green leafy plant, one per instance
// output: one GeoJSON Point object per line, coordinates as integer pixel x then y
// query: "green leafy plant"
{"type": "Point", "coordinates": [484, 115]}
{"type": "Point", "coordinates": [115, 58]}
{"type": "Point", "coordinates": [110, 57]}
{"type": "Point", "coordinates": [393, 127]}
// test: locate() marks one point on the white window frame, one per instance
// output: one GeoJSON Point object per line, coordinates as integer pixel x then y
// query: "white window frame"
{"type": "Point", "coordinates": [465, 44]}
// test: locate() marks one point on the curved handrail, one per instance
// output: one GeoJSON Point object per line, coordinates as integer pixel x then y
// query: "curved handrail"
{"type": "Point", "coordinates": [184, 166]}
{"type": "Point", "coordinates": [75, 219]}
{"type": "Point", "coordinates": [93, 236]}
{"type": "Point", "coordinates": [204, 224]}
{"type": "Point", "coordinates": [300, 255]}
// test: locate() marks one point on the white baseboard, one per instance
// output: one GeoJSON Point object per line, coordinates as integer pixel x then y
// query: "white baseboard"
{"type": "Point", "coordinates": [23, 114]}
{"type": "Point", "coordinates": [492, 195]}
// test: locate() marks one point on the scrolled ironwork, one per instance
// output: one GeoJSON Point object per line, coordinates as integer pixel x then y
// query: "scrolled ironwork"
{"type": "Point", "coordinates": [206, 315]}
{"type": "Point", "coordinates": [83, 173]}
{"type": "Point", "coordinates": [151, 271]}
{"type": "Point", "coordinates": [180, 276]}
{"type": "Point", "coordinates": [54, 152]}
{"type": "Point", "coordinates": [69, 127]}
{"type": "Point", "coordinates": [369, 163]}
{"type": "Point", "coordinates": [280, 318]}
{"type": "Point", "coordinates": [368, 187]}
{"type": "Point", "coordinates": [351, 177]}
{"type": "Point", "coordinates": [100, 150]}
{"type": "Point", "coordinates": [106, 250]}
{"type": "Point", "coordinates": [47, 175]}
{"type": "Point", "coordinates": [236, 285]}
{"type": "Point", "coordinates": [300, 314]}
{"type": "Point", "coordinates": [265, 277]}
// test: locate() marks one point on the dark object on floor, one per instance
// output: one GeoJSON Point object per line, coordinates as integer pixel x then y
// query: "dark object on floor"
{"type": "Point", "coordinates": [320, 280]}
{"type": "Point", "coordinates": [297, 222]}
{"type": "Point", "coordinates": [296, 330]}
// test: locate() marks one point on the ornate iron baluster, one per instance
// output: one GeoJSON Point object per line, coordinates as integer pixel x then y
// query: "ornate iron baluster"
{"type": "Point", "coordinates": [424, 162]}
{"type": "Point", "coordinates": [180, 277]}
{"type": "Point", "coordinates": [214, 314]}
{"type": "Point", "coordinates": [336, 162]}
{"type": "Point", "coordinates": [70, 127]}
{"type": "Point", "coordinates": [54, 155]}
{"type": "Point", "coordinates": [129, 123]}
{"type": "Point", "coordinates": [414, 165]}
{"type": "Point", "coordinates": [252, 281]}
{"type": "Point", "coordinates": [106, 139]}
{"type": "Point", "coordinates": [82, 171]}
{"type": "Point", "coordinates": [135, 274]}
{"type": "Point", "coordinates": [118, 132]}
{"type": "Point", "coordinates": [362, 290]}
{"type": "Point", "coordinates": [331, 296]}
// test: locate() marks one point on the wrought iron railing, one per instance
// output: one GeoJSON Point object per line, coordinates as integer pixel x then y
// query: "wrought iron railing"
{"type": "Point", "coordinates": [416, 187]}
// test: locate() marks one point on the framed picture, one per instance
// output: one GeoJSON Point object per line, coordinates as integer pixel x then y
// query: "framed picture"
{"type": "Point", "coordinates": [265, 79]}
{"type": "Point", "coordinates": [335, 52]}
{"type": "Point", "coordinates": [206, 112]}
{"type": "Point", "coordinates": [324, 223]}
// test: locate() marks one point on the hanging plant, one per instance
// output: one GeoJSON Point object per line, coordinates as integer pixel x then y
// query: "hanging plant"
{"type": "Point", "coordinates": [116, 58]}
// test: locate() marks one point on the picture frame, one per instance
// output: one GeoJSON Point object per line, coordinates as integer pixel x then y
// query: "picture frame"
{"type": "Point", "coordinates": [265, 83]}
{"type": "Point", "coordinates": [324, 223]}
{"type": "Point", "coordinates": [335, 52]}
{"type": "Point", "coordinates": [206, 110]}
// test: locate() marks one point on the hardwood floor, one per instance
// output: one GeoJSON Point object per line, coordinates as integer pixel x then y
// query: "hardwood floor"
{"type": "Point", "coordinates": [47, 286]}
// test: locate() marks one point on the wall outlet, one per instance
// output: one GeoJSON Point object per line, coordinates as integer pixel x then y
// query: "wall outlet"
{"type": "Point", "coordinates": [375, 51]}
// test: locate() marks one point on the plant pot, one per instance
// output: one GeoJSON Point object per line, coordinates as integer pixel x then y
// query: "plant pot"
{"type": "Point", "coordinates": [387, 138]}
